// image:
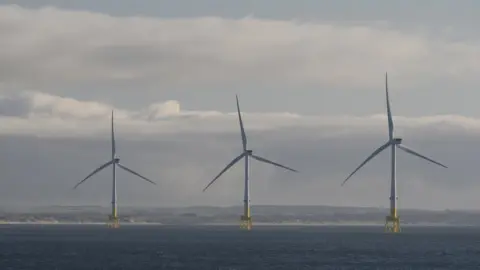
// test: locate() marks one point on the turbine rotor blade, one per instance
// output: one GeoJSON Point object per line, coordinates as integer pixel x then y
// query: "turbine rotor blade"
{"type": "Point", "coordinates": [411, 151]}
{"type": "Point", "coordinates": [389, 111]}
{"type": "Point", "coordinates": [272, 163]}
{"type": "Point", "coordinates": [242, 130]}
{"type": "Point", "coordinates": [94, 172]}
{"type": "Point", "coordinates": [135, 173]}
{"type": "Point", "coordinates": [376, 152]}
{"type": "Point", "coordinates": [235, 160]}
{"type": "Point", "coordinates": [113, 139]}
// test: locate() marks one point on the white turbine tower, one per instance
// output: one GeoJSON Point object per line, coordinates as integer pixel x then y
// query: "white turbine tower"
{"type": "Point", "coordinates": [392, 222]}
{"type": "Point", "coordinates": [115, 161]}
{"type": "Point", "coordinates": [246, 219]}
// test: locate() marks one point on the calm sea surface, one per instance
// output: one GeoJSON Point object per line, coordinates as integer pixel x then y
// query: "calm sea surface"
{"type": "Point", "coordinates": [159, 247]}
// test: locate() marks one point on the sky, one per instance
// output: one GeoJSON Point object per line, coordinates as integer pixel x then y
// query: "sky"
{"type": "Point", "coordinates": [310, 78]}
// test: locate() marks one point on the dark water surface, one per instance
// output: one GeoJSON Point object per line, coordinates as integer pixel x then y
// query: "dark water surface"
{"type": "Point", "coordinates": [159, 247]}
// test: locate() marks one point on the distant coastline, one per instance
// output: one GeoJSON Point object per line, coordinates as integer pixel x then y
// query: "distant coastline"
{"type": "Point", "coordinates": [266, 215]}
{"type": "Point", "coordinates": [40, 223]}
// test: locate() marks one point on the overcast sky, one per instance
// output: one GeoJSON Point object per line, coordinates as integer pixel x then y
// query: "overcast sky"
{"type": "Point", "coordinates": [309, 75]}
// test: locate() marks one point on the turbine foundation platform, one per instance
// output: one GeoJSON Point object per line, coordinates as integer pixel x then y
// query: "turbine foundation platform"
{"type": "Point", "coordinates": [113, 222]}
{"type": "Point", "coordinates": [392, 224]}
{"type": "Point", "coordinates": [246, 223]}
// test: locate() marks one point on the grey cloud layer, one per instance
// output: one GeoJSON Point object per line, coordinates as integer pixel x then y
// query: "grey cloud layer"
{"type": "Point", "coordinates": [52, 47]}
{"type": "Point", "coordinates": [49, 115]}
{"type": "Point", "coordinates": [184, 164]}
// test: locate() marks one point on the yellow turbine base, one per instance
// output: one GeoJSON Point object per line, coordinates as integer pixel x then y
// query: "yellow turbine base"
{"type": "Point", "coordinates": [113, 222]}
{"type": "Point", "coordinates": [392, 224]}
{"type": "Point", "coordinates": [246, 223]}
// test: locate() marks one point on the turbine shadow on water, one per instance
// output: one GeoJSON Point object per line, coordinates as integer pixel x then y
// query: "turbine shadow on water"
{"type": "Point", "coordinates": [246, 219]}
{"type": "Point", "coordinates": [392, 221]}
{"type": "Point", "coordinates": [113, 221]}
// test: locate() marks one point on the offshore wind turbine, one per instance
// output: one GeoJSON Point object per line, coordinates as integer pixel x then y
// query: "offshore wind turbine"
{"type": "Point", "coordinates": [392, 221]}
{"type": "Point", "coordinates": [246, 219]}
{"type": "Point", "coordinates": [115, 161]}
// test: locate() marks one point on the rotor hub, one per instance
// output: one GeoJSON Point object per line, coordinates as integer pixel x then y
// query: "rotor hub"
{"type": "Point", "coordinates": [116, 160]}
{"type": "Point", "coordinates": [397, 140]}
{"type": "Point", "coordinates": [249, 152]}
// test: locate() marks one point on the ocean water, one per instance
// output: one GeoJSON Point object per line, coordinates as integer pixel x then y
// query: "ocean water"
{"type": "Point", "coordinates": [223, 247]}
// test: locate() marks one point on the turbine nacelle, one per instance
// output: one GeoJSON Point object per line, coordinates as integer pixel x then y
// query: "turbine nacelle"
{"type": "Point", "coordinates": [249, 152]}
{"type": "Point", "coordinates": [397, 141]}
{"type": "Point", "coordinates": [116, 160]}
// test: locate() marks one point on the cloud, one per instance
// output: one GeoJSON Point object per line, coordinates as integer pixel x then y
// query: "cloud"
{"type": "Point", "coordinates": [41, 114]}
{"type": "Point", "coordinates": [49, 47]}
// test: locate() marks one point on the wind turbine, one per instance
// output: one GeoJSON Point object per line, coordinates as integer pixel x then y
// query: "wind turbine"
{"type": "Point", "coordinates": [246, 219]}
{"type": "Point", "coordinates": [392, 222]}
{"type": "Point", "coordinates": [115, 161]}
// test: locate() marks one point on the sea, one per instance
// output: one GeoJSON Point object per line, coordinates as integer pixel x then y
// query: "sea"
{"type": "Point", "coordinates": [138, 247]}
